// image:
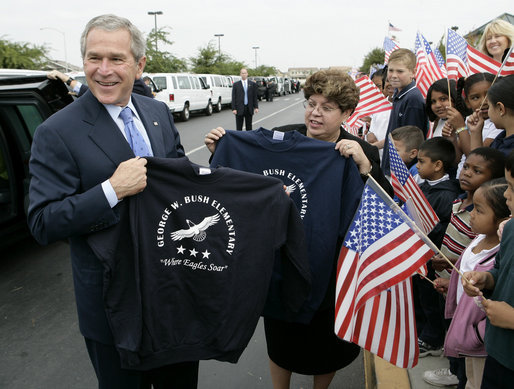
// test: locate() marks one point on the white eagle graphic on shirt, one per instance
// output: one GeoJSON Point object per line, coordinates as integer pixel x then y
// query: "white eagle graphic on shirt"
{"type": "Point", "coordinates": [196, 231]}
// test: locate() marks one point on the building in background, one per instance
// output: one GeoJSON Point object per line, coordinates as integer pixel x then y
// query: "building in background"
{"type": "Point", "coordinates": [474, 36]}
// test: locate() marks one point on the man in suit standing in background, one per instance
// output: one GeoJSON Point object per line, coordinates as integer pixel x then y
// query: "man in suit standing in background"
{"type": "Point", "coordinates": [85, 159]}
{"type": "Point", "coordinates": [244, 101]}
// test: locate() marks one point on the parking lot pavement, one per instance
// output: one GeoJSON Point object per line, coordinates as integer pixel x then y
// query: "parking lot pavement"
{"type": "Point", "coordinates": [387, 376]}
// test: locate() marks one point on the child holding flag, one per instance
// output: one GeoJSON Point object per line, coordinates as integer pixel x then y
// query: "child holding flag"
{"type": "Point", "coordinates": [497, 285]}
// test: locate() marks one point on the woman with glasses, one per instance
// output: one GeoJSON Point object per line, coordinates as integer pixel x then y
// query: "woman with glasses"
{"type": "Point", "coordinates": [314, 349]}
{"type": "Point", "coordinates": [331, 96]}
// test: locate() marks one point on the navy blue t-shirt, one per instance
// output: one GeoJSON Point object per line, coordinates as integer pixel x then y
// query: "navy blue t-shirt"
{"type": "Point", "coordinates": [325, 187]}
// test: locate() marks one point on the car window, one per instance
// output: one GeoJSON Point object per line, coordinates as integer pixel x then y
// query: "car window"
{"type": "Point", "coordinates": [160, 82]}
{"type": "Point", "coordinates": [195, 83]}
{"type": "Point", "coordinates": [203, 85]}
{"type": "Point", "coordinates": [23, 119]}
{"type": "Point", "coordinates": [174, 80]}
{"type": "Point", "coordinates": [183, 82]}
{"type": "Point", "coordinates": [31, 117]}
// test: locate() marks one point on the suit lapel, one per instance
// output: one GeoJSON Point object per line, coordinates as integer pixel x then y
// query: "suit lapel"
{"type": "Point", "coordinates": [153, 125]}
{"type": "Point", "coordinates": [104, 132]}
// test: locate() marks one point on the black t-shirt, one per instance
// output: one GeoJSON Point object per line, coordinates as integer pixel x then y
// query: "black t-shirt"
{"type": "Point", "coordinates": [188, 267]}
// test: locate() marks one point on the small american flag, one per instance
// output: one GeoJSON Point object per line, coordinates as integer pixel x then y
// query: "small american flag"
{"type": "Point", "coordinates": [456, 56]}
{"type": "Point", "coordinates": [439, 58]}
{"type": "Point", "coordinates": [371, 100]}
{"type": "Point", "coordinates": [393, 28]}
{"type": "Point", "coordinates": [374, 306]}
{"type": "Point", "coordinates": [405, 187]}
{"type": "Point", "coordinates": [389, 47]}
{"type": "Point", "coordinates": [427, 68]}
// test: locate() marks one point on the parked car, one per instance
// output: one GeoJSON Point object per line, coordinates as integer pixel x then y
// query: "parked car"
{"type": "Point", "coordinates": [261, 86]}
{"type": "Point", "coordinates": [25, 102]}
{"type": "Point", "coordinates": [221, 90]}
{"type": "Point", "coordinates": [183, 93]}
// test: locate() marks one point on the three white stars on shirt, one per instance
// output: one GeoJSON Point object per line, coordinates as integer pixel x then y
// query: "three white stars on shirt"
{"type": "Point", "coordinates": [193, 252]}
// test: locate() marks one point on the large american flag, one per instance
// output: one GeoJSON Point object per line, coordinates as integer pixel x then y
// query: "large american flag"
{"type": "Point", "coordinates": [427, 68]}
{"type": "Point", "coordinates": [389, 47]}
{"type": "Point", "coordinates": [456, 56]}
{"type": "Point", "coordinates": [405, 187]}
{"type": "Point", "coordinates": [371, 101]}
{"type": "Point", "coordinates": [374, 307]}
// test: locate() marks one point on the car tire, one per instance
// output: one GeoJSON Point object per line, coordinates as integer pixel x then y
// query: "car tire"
{"type": "Point", "coordinates": [208, 109]}
{"type": "Point", "coordinates": [217, 107]}
{"type": "Point", "coordinates": [184, 115]}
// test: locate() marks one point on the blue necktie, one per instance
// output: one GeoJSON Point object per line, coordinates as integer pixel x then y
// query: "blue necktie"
{"type": "Point", "coordinates": [246, 93]}
{"type": "Point", "coordinates": [134, 137]}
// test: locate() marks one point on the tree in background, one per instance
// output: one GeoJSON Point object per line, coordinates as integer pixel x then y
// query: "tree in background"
{"type": "Point", "coordinates": [21, 55]}
{"type": "Point", "coordinates": [263, 70]}
{"type": "Point", "coordinates": [159, 61]}
{"type": "Point", "coordinates": [209, 61]}
{"type": "Point", "coordinates": [374, 57]}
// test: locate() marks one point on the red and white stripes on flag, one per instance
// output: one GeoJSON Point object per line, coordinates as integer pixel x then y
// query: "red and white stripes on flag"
{"type": "Point", "coordinates": [371, 101]}
{"type": "Point", "coordinates": [405, 187]}
{"type": "Point", "coordinates": [456, 56]}
{"type": "Point", "coordinates": [507, 67]}
{"type": "Point", "coordinates": [479, 62]}
{"type": "Point", "coordinates": [389, 46]}
{"type": "Point", "coordinates": [373, 292]}
{"type": "Point", "coordinates": [427, 68]}
{"type": "Point", "coordinates": [385, 326]}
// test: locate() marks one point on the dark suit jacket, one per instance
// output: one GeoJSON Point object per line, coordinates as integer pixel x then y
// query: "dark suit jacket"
{"type": "Point", "coordinates": [238, 96]}
{"type": "Point", "coordinates": [73, 152]}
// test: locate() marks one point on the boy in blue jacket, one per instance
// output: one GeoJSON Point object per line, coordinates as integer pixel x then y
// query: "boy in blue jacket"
{"type": "Point", "coordinates": [408, 102]}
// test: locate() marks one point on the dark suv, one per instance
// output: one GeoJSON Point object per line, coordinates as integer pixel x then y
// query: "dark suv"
{"type": "Point", "coordinates": [261, 86]}
{"type": "Point", "coordinates": [25, 102]}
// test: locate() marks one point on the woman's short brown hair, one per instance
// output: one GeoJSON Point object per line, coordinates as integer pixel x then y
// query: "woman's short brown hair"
{"type": "Point", "coordinates": [334, 85]}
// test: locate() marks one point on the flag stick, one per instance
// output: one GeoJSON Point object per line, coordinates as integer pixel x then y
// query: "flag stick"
{"type": "Point", "coordinates": [426, 278]}
{"type": "Point", "coordinates": [447, 77]}
{"type": "Point", "coordinates": [497, 74]}
{"type": "Point", "coordinates": [416, 229]}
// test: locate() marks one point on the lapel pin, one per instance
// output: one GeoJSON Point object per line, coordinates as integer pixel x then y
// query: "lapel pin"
{"type": "Point", "coordinates": [155, 123]}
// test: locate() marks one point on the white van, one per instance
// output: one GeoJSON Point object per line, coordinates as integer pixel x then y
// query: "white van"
{"type": "Point", "coordinates": [234, 79]}
{"type": "Point", "coordinates": [221, 90]}
{"type": "Point", "coordinates": [183, 93]}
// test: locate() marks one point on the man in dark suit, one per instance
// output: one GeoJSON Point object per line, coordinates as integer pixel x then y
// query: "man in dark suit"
{"type": "Point", "coordinates": [244, 101]}
{"type": "Point", "coordinates": [82, 165]}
